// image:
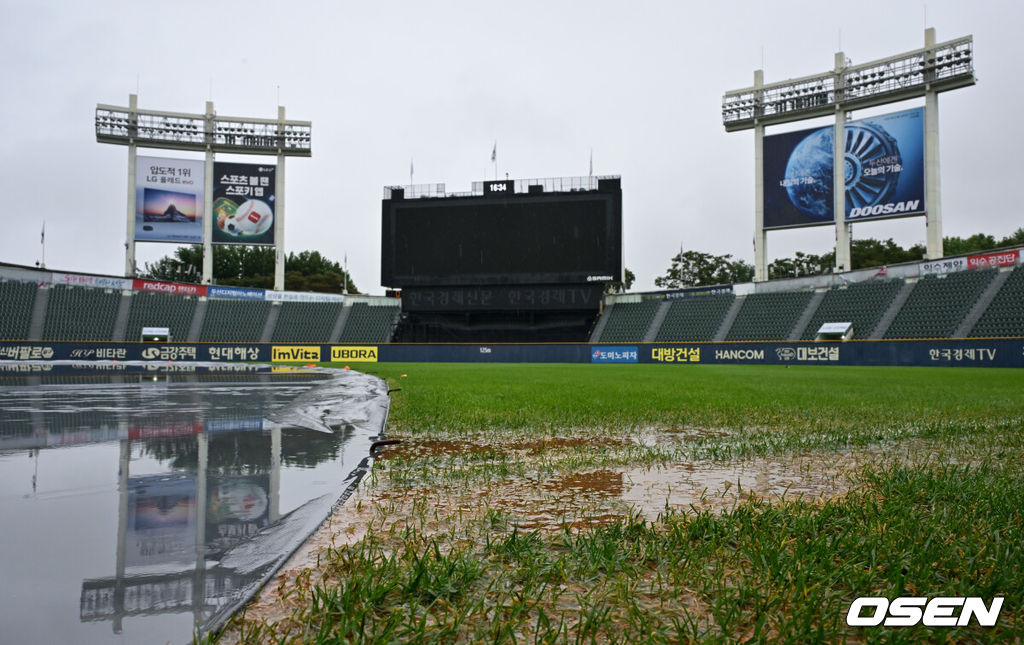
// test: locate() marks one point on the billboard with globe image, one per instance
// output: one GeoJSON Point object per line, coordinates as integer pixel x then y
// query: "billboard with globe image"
{"type": "Point", "coordinates": [884, 171]}
{"type": "Point", "coordinates": [243, 203]}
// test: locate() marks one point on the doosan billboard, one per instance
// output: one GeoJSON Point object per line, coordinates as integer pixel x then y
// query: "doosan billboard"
{"type": "Point", "coordinates": [883, 165]}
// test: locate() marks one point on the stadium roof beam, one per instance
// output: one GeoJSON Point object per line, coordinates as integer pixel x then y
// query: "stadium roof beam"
{"type": "Point", "coordinates": [939, 68]}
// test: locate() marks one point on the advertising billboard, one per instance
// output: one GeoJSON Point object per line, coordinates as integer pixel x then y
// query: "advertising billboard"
{"type": "Point", "coordinates": [243, 203]}
{"type": "Point", "coordinates": [169, 200]}
{"type": "Point", "coordinates": [883, 166]}
{"type": "Point", "coordinates": [161, 519]}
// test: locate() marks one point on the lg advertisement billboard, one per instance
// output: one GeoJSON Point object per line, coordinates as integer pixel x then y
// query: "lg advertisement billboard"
{"type": "Point", "coordinates": [883, 166]}
{"type": "Point", "coordinates": [169, 200]}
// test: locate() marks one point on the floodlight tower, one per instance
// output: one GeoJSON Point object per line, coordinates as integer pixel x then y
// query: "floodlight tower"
{"type": "Point", "coordinates": [208, 133]}
{"type": "Point", "coordinates": [924, 72]}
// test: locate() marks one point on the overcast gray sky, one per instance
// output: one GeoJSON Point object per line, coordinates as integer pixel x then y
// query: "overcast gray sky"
{"type": "Point", "coordinates": [385, 83]}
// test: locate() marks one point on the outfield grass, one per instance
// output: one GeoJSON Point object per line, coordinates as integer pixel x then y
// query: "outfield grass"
{"type": "Point", "coordinates": [509, 511]}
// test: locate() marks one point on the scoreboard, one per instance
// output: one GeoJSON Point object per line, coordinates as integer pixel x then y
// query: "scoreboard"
{"type": "Point", "coordinates": [504, 238]}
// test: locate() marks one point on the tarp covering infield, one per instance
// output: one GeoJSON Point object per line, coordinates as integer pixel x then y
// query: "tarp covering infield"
{"type": "Point", "coordinates": [980, 352]}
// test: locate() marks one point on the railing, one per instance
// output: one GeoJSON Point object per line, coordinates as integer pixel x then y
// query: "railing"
{"type": "Point", "coordinates": [548, 185]}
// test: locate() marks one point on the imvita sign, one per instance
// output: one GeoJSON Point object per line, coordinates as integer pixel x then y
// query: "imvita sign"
{"type": "Point", "coordinates": [911, 610]}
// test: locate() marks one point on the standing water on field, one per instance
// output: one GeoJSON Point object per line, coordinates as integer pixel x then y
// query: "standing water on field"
{"type": "Point", "coordinates": [141, 506]}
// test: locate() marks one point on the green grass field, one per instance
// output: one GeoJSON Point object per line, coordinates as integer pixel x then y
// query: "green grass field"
{"type": "Point", "coordinates": [657, 504]}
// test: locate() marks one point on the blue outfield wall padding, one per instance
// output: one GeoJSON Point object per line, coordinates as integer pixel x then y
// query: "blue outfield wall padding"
{"type": "Point", "coordinates": [1001, 352]}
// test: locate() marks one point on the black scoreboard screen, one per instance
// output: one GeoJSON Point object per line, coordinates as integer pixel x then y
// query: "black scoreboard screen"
{"type": "Point", "coordinates": [552, 238]}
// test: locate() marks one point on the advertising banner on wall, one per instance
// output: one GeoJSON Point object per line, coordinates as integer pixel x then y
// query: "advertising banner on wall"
{"type": "Point", "coordinates": [988, 260]}
{"type": "Point", "coordinates": [169, 200]}
{"type": "Point", "coordinates": [243, 203]}
{"type": "Point", "coordinates": [884, 170]}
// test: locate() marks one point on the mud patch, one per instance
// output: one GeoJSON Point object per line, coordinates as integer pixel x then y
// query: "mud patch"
{"type": "Point", "coordinates": [550, 501]}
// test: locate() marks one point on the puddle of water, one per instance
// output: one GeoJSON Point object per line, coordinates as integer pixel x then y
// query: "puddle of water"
{"type": "Point", "coordinates": [139, 508]}
{"type": "Point", "coordinates": [578, 500]}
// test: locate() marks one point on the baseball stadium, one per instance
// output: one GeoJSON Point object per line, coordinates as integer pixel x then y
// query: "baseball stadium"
{"type": "Point", "coordinates": [510, 447]}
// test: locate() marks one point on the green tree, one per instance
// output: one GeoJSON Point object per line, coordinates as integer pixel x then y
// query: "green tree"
{"type": "Point", "coordinates": [621, 287]}
{"type": "Point", "coordinates": [800, 265]}
{"type": "Point", "coordinates": [972, 244]}
{"type": "Point", "coordinates": [1014, 239]}
{"type": "Point", "coordinates": [698, 269]}
{"type": "Point", "coordinates": [253, 266]}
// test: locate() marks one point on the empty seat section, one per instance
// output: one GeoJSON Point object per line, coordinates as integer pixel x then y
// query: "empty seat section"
{"type": "Point", "coordinates": [368, 324]}
{"type": "Point", "coordinates": [160, 310]}
{"type": "Point", "coordinates": [1005, 314]}
{"type": "Point", "coordinates": [694, 319]}
{"type": "Point", "coordinates": [938, 304]}
{"type": "Point", "coordinates": [629, 321]}
{"type": "Point", "coordinates": [81, 313]}
{"type": "Point", "coordinates": [861, 303]}
{"type": "Point", "coordinates": [16, 300]}
{"type": "Point", "coordinates": [306, 322]}
{"type": "Point", "coordinates": [769, 316]}
{"type": "Point", "coordinates": [234, 321]}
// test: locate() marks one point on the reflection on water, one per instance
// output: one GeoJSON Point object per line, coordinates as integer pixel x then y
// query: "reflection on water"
{"type": "Point", "coordinates": [142, 508]}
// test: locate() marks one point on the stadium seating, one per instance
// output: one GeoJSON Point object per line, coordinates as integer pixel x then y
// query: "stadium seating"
{"type": "Point", "coordinates": [629, 321]}
{"type": "Point", "coordinates": [938, 304]}
{"type": "Point", "coordinates": [16, 300]}
{"type": "Point", "coordinates": [861, 303]}
{"type": "Point", "coordinates": [369, 324]}
{"type": "Point", "coordinates": [234, 321]}
{"type": "Point", "coordinates": [694, 319]}
{"type": "Point", "coordinates": [769, 316]}
{"type": "Point", "coordinates": [1005, 314]}
{"type": "Point", "coordinates": [81, 313]}
{"type": "Point", "coordinates": [306, 322]}
{"type": "Point", "coordinates": [160, 310]}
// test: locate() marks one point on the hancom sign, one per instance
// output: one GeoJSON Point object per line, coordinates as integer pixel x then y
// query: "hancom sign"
{"type": "Point", "coordinates": [883, 163]}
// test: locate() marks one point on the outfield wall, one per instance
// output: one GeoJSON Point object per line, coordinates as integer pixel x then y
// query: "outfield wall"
{"type": "Point", "coordinates": [974, 352]}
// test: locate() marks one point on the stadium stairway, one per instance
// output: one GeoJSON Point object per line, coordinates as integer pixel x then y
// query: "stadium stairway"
{"type": "Point", "coordinates": [805, 317]}
{"type": "Point", "coordinates": [271, 323]}
{"type": "Point", "coordinates": [730, 318]}
{"type": "Point", "coordinates": [890, 314]}
{"type": "Point", "coordinates": [339, 324]}
{"type": "Point", "coordinates": [659, 318]}
{"type": "Point", "coordinates": [197, 320]}
{"type": "Point", "coordinates": [121, 323]}
{"type": "Point", "coordinates": [981, 306]}
{"type": "Point", "coordinates": [39, 307]}
{"type": "Point", "coordinates": [602, 321]}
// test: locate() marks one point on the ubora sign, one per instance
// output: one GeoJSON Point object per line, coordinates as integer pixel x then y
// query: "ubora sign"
{"type": "Point", "coordinates": [353, 354]}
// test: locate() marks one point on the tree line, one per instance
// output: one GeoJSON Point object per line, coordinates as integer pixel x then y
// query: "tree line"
{"type": "Point", "coordinates": [253, 266]}
{"type": "Point", "coordinates": [697, 269]}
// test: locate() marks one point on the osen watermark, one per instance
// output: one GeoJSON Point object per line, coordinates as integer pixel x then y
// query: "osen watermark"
{"type": "Point", "coordinates": [941, 611]}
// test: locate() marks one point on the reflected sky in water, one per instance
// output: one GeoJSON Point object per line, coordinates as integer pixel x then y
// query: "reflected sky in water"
{"type": "Point", "coordinates": [138, 507]}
